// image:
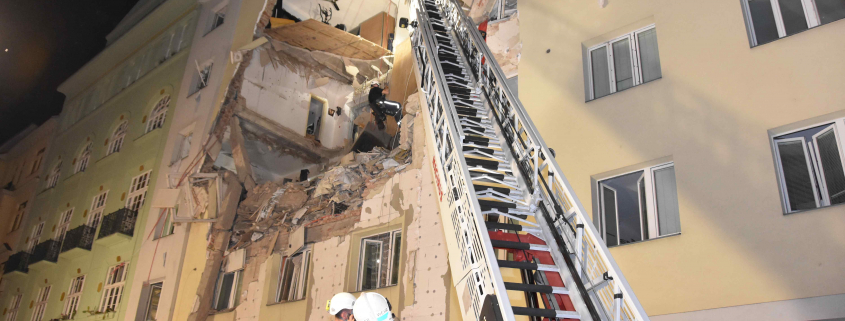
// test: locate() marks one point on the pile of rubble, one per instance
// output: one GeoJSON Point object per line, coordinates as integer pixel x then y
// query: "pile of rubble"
{"type": "Point", "coordinates": [274, 207]}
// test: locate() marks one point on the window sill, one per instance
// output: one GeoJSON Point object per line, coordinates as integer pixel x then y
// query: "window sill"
{"type": "Point", "coordinates": [813, 209]}
{"type": "Point", "coordinates": [623, 90]}
{"type": "Point", "coordinates": [107, 157]}
{"type": "Point", "coordinates": [73, 177]}
{"type": "Point", "coordinates": [146, 136]}
{"type": "Point", "coordinates": [283, 302]}
{"type": "Point", "coordinates": [195, 92]}
{"type": "Point", "coordinates": [221, 312]}
{"type": "Point", "coordinates": [212, 30]}
{"type": "Point", "coordinates": [643, 241]}
{"type": "Point", "coordinates": [376, 289]}
{"type": "Point", "coordinates": [161, 237]}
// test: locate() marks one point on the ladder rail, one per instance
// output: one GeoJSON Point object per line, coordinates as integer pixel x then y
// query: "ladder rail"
{"type": "Point", "coordinates": [456, 138]}
{"type": "Point", "coordinates": [595, 256]}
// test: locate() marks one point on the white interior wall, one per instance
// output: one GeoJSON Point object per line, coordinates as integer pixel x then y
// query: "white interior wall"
{"type": "Point", "coordinates": [284, 96]}
{"type": "Point", "coordinates": [351, 13]}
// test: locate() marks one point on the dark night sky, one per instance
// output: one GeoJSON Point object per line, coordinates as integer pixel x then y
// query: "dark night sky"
{"type": "Point", "coordinates": [47, 41]}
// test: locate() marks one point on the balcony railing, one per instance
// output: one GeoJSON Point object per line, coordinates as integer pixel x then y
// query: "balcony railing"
{"type": "Point", "coordinates": [18, 262]}
{"type": "Point", "coordinates": [121, 221]}
{"type": "Point", "coordinates": [80, 237]}
{"type": "Point", "coordinates": [45, 251]}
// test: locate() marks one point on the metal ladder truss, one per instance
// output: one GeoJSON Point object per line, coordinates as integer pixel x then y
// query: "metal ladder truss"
{"type": "Point", "coordinates": [506, 206]}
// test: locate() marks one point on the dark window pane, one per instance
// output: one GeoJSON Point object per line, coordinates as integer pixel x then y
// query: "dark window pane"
{"type": "Point", "coordinates": [649, 57]}
{"type": "Point", "coordinates": [627, 206]}
{"type": "Point", "coordinates": [152, 307]}
{"type": "Point", "coordinates": [372, 260]}
{"type": "Point", "coordinates": [225, 291]}
{"type": "Point", "coordinates": [609, 202]}
{"type": "Point", "coordinates": [793, 16]}
{"type": "Point", "coordinates": [622, 65]}
{"type": "Point", "coordinates": [397, 246]}
{"type": "Point", "coordinates": [666, 197]}
{"type": "Point", "coordinates": [830, 10]}
{"type": "Point", "coordinates": [643, 207]}
{"type": "Point", "coordinates": [799, 188]}
{"type": "Point", "coordinates": [763, 20]}
{"type": "Point", "coordinates": [832, 165]}
{"type": "Point", "coordinates": [601, 76]}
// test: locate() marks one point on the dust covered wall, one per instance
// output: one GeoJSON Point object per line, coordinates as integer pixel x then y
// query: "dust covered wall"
{"type": "Point", "coordinates": [284, 96]}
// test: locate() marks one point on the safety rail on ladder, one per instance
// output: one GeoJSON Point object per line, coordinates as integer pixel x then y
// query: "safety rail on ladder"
{"type": "Point", "coordinates": [494, 165]}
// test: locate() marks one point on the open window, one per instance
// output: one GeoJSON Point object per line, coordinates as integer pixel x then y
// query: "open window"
{"type": "Point", "coordinates": [624, 62]}
{"type": "Point", "coordinates": [34, 237]}
{"type": "Point", "coordinates": [63, 226]}
{"type": "Point", "coordinates": [378, 264]}
{"type": "Point", "coordinates": [769, 20]}
{"type": "Point", "coordinates": [810, 167]}
{"type": "Point", "coordinates": [218, 16]}
{"type": "Point", "coordinates": [98, 204]}
{"type": "Point", "coordinates": [226, 290]}
{"type": "Point", "coordinates": [200, 79]}
{"type": "Point", "coordinates": [639, 205]}
{"type": "Point", "coordinates": [293, 278]}
{"type": "Point", "coordinates": [152, 302]}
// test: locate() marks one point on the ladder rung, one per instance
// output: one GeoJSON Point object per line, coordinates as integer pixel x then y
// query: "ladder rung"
{"type": "Point", "coordinates": [527, 266]}
{"type": "Point", "coordinates": [519, 245]}
{"type": "Point", "coordinates": [538, 288]}
{"type": "Point", "coordinates": [511, 227]}
{"type": "Point", "coordinates": [546, 313]}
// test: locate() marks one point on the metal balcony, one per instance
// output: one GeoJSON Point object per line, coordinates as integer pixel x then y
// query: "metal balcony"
{"type": "Point", "coordinates": [117, 227]}
{"type": "Point", "coordinates": [45, 253]}
{"type": "Point", "coordinates": [18, 263]}
{"type": "Point", "coordinates": [78, 241]}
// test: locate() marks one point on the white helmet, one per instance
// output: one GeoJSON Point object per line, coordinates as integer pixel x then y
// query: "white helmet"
{"type": "Point", "coordinates": [374, 83]}
{"type": "Point", "coordinates": [372, 306]}
{"type": "Point", "coordinates": [340, 301]}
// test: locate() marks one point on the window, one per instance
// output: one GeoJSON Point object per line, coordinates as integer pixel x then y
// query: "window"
{"type": "Point", "coordinates": [810, 166]}
{"type": "Point", "coordinates": [97, 207]}
{"type": "Point", "coordinates": [182, 148]}
{"type": "Point", "coordinates": [294, 276]}
{"type": "Point", "coordinates": [74, 294]}
{"type": "Point", "coordinates": [34, 237]}
{"type": "Point", "coordinates": [158, 115]}
{"type": "Point", "coordinates": [117, 138]}
{"type": "Point", "coordinates": [82, 160]}
{"type": "Point", "coordinates": [638, 206]}
{"type": "Point", "coordinates": [12, 313]}
{"type": "Point", "coordinates": [53, 178]}
{"type": "Point", "coordinates": [64, 225]}
{"type": "Point", "coordinates": [113, 287]}
{"type": "Point", "coordinates": [378, 265]}
{"type": "Point", "coordinates": [19, 217]}
{"type": "Point", "coordinates": [200, 78]}
{"type": "Point", "coordinates": [769, 20]}
{"type": "Point", "coordinates": [166, 227]}
{"type": "Point", "coordinates": [224, 294]}
{"type": "Point", "coordinates": [218, 18]}
{"type": "Point", "coordinates": [624, 62]}
{"type": "Point", "coordinates": [138, 191]}
{"type": "Point", "coordinates": [41, 303]}
{"type": "Point", "coordinates": [152, 302]}
{"type": "Point", "coordinates": [36, 164]}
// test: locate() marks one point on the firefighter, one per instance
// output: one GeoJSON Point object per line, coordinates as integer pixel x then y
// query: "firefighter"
{"type": "Point", "coordinates": [340, 306]}
{"type": "Point", "coordinates": [381, 106]}
{"type": "Point", "coordinates": [371, 306]}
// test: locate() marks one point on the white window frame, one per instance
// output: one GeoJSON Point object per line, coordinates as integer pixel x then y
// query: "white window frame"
{"type": "Point", "coordinates": [634, 47]}
{"type": "Point", "coordinates": [53, 178]}
{"type": "Point", "coordinates": [41, 303]}
{"type": "Point", "coordinates": [84, 157]}
{"type": "Point", "coordinates": [36, 164]}
{"type": "Point", "coordinates": [233, 291]}
{"type": "Point", "coordinates": [160, 286]}
{"type": "Point", "coordinates": [98, 205]}
{"type": "Point", "coordinates": [117, 137]}
{"type": "Point", "coordinates": [113, 287]}
{"type": "Point", "coordinates": [202, 77]}
{"type": "Point", "coordinates": [373, 239]}
{"type": "Point", "coordinates": [814, 168]}
{"type": "Point", "coordinates": [811, 14]}
{"type": "Point", "coordinates": [74, 295]}
{"type": "Point", "coordinates": [167, 227]}
{"type": "Point", "coordinates": [652, 217]}
{"type": "Point", "coordinates": [220, 11]}
{"type": "Point", "coordinates": [63, 225]}
{"type": "Point", "coordinates": [14, 307]}
{"type": "Point", "coordinates": [299, 281]}
{"type": "Point", "coordinates": [158, 115]}
{"type": "Point", "coordinates": [138, 191]}
{"type": "Point", "coordinates": [35, 237]}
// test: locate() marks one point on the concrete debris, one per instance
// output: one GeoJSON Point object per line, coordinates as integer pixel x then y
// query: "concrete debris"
{"type": "Point", "coordinates": [505, 44]}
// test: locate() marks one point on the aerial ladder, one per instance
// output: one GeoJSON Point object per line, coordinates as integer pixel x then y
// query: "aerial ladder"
{"type": "Point", "coordinates": [520, 243]}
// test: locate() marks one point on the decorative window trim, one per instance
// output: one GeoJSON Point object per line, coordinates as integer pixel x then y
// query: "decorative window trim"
{"type": "Point", "coordinates": [55, 173]}
{"type": "Point", "coordinates": [14, 307]}
{"type": "Point", "coordinates": [98, 206]}
{"type": "Point", "coordinates": [35, 236]}
{"type": "Point", "coordinates": [63, 225]}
